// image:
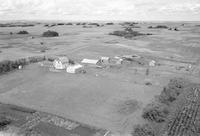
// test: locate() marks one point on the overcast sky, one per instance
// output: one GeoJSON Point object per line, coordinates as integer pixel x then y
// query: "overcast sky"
{"type": "Point", "coordinates": [169, 10]}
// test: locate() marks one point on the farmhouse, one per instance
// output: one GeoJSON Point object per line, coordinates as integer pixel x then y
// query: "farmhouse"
{"type": "Point", "coordinates": [61, 63]}
{"type": "Point", "coordinates": [77, 68]}
{"type": "Point", "coordinates": [91, 61]}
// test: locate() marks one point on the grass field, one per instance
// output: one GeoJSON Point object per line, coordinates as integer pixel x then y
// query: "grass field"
{"type": "Point", "coordinates": [111, 98]}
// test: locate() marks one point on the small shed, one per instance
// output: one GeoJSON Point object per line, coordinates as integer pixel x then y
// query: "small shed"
{"type": "Point", "coordinates": [152, 63]}
{"type": "Point", "coordinates": [105, 60]}
{"type": "Point", "coordinates": [119, 61]}
{"type": "Point", "coordinates": [61, 63]}
{"type": "Point", "coordinates": [131, 57]}
{"type": "Point", "coordinates": [77, 68]}
{"type": "Point", "coordinates": [91, 61]}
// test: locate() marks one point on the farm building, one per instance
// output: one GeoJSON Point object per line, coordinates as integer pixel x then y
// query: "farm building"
{"type": "Point", "coordinates": [105, 60]}
{"type": "Point", "coordinates": [77, 68]}
{"type": "Point", "coordinates": [152, 63]}
{"type": "Point", "coordinates": [91, 61]}
{"type": "Point", "coordinates": [130, 57]}
{"type": "Point", "coordinates": [61, 63]}
{"type": "Point", "coordinates": [119, 61]}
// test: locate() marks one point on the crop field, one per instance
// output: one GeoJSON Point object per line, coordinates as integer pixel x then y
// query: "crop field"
{"type": "Point", "coordinates": [185, 120]}
{"type": "Point", "coordinates": [131, 98]}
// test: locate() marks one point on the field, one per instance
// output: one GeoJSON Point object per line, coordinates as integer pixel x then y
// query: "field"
{"type": "Point", "coordinates": [111, 98]}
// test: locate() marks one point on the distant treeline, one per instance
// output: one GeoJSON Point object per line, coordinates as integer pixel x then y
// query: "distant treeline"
{"type": "Point", "coordinates": [16, 25]}
{"type": "Point", "coordinates": [9, 65]}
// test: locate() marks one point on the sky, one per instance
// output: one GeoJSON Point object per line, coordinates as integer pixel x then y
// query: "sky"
{"type": "Point", "coordinates": [140, 10]}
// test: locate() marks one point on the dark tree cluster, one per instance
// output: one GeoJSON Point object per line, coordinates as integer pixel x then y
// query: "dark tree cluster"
{"type": "Point", "coordinates": [110, 23]}
{"type": "Point", "coordinates": [23, 32]}
{"type": "Point", "coordinates": [170, 93]}
{"type": "Point", "coordinates": [158, 27]}
{"type": "Point", "coordinates": [8, 65]}
{"type": "Point", "coordinates": [50, 34]}
{"type": "Point", "coordinates": [128, 33]}
{"type": "Point", "coordinates": [16, 25]}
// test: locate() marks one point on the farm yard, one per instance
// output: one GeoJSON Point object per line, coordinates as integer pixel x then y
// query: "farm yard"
{"type": "Point", "coordinates": [143, 75]}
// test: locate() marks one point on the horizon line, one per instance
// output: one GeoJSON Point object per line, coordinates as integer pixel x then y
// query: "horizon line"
{"type": "Point", "coordinates": [65, 20]}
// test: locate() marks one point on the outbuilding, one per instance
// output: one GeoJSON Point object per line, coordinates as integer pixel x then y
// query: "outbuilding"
{"type": "Point", "coordinates": [105, 60]}
{"type": "Point", "coordinates": [91, 61]}
{"type": "Point", "coordinates": [77, 68]}
{"type": "Point", "coordinates": [131, 57]}
{"type": "Point", "coordinates": [119, 61]}
{"type": "Point", "coordinates": [152, 63]}
{"type": "Point", "coordinates": [61, 63]}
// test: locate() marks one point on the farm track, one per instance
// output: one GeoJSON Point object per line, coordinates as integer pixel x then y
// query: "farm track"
{"type": "Point", "coordinates": [186, 119]}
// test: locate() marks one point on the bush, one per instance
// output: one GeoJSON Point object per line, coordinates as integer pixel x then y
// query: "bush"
{"type": "Point", "coordinates": [96, 24]}
{"type": "Point", "coordinates": [155, 112]}
{"type": "Point", "coordinates": [51, 59]}
{"type": "Point", "coordinates": [4, 122]}
{"type": "Point", "coordinates": [50, 34]}
{"type": "Point", "coordinates": [46, 25]}
{"type": "Point", "coordinates": [127, 33]}
{"type": "Point", "coordinates": [170, 93]}
{"type": "Point", "coordinates": [71, 62]}
{"type": "Point", "coordinates": [176, 29]}
{"type": "Point", "coordinates": [69, 24]}
{"type": "Point", "coordinates": [52, 25]}
{"type": "Point", "coordinates": [158, 26]}
{"type": "Point", "coordinates": [23, 32]}
{"type": "Point", "coordinates": [35, 59]}
{"type": "Point", "coordinates": [60, 24]}
{"type": "Point", "coordinates": [109, 23]}
{"type": "Point", "coordinates": [129, 23]}
{"type": "Point", "coordinates": [78, 23]}
{"type": "Point", "coordinates": [143, 130]}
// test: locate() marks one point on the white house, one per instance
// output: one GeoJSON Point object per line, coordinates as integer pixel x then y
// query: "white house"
{"type": "Point", "coordinates": [77, 68]}
{"type": "Point", "coordinates": [91, 61]}
{"type": "Point", "coordinates": [61, 63]}
{"type": "Point", "coordinates": [105, 60]}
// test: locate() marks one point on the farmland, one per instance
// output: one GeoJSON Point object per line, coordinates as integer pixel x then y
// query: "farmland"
{"type": "Point", "coordinates": [112, 98]}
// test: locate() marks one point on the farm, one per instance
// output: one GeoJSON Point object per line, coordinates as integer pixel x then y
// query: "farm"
{"type": "Point", "coordinates": [100, 78]}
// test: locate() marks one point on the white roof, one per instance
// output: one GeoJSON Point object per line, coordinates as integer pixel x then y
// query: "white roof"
{"type": "Point", "coordinates": [76, 66]}
{"type": "Point", "coordinates": [90, 61]}
{"type": "Point", "coordinates": [73, 68]}
{"type": "Point", "coordinates": [105, 58]}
